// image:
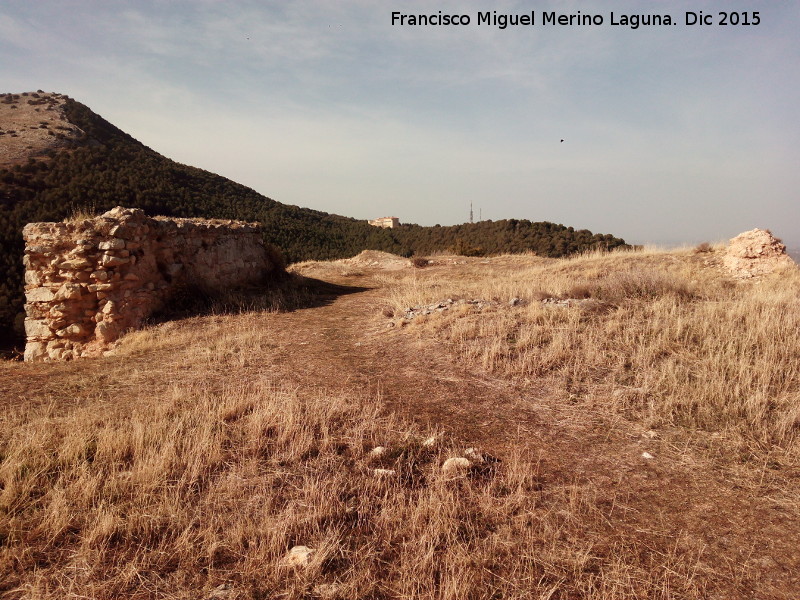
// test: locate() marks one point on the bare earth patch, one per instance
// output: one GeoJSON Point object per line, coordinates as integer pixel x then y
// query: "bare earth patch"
{"type": "Point", "coordinates": [31, 125]}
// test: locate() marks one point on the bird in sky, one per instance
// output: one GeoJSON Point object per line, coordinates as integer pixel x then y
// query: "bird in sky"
{"type": "Point", "coordinates": [562, 141]}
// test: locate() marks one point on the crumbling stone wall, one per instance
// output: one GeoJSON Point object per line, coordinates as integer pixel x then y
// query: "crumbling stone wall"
{"type": "Point", "coordinates": [89, 281]}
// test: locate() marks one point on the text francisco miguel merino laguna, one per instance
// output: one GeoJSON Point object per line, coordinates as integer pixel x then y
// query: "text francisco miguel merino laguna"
{"type": "Point", "coordinates": [634, 21]}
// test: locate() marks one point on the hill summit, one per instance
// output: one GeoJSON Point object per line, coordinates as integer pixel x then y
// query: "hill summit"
{"type": "Point", "coordinates": [34, 125]}
{"type": "Point", "coordinates": [60, 158]}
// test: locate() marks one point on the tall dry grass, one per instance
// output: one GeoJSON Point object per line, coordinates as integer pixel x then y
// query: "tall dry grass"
{"type": "Point", "coordinates": [660, 335]}
{"type": "Point", "coordinates": [196, 490]}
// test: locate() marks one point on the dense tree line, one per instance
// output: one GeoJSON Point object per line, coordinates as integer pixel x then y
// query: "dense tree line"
{"type": "Point", "coordinates": [506, 236]}
{"type": "Point", "coordinates": [106, 167]}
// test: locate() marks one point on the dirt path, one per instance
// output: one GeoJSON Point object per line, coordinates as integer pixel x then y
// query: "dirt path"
{"type": "Point", "coordinates": [680, 495]}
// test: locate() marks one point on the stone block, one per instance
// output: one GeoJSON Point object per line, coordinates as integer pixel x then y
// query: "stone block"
{"type": "Point", "coordinates": [109, 260]}
{"type": "Point", "coordinates": [69, 291]}
{"type": "Point", "coordinates": [106, 331]}
{"type": "Point", "coordinates": [37, 329]}
{"type": "Point", "coordinates": [40, 294]}
{"type": "Point", "coordinates": [75, 264]}
{"type": "Point", "coordinates": [37, 310]}
{"type": "Point", "coordinates": [34, 351]}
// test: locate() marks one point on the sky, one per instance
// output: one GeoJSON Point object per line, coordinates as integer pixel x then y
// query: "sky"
{"type": "Point", "coordinates": [672, 134]}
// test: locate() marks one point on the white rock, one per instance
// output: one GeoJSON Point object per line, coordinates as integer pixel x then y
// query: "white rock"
{"type": "Point", "coordinates": [455, 466]}
{"type": "Point", "coordinates": [298, 556]}
{"type": "Point", "coordinates": [647, 455]}
{"type": "Point", "coordinates": [377, 451]}
{"type": "Point", "coordinates": [326, 590]}
{"type": "Point", "coordinates": [473, 454]}
{"type": "Point", "coordinates": [223, 590]}
{"type": "Point", "coordinates": [384, 473]}
{"type": "Point", "coordinates": [34, 351]}
{"type": "Point", "coordinates": [106, 331]}
{"type": "Point", "coordinates": [113, 261]}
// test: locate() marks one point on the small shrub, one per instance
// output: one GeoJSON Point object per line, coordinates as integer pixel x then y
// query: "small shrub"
{"type": "Point", "coordinates": [82, 212]}
{"type": "Point", "coordinates": [276, 257]}
{"type": "Point", "coordinates": [581, 291]}
{"type": "Point", "coordinates": [704, 247]}
{"type": "Point", "coordinates": [420, 262]}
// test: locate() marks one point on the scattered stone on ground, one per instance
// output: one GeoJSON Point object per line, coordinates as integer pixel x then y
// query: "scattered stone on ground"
{"type": "Point", "coordinates": [431, 441]}
{"type": "Point", "coordinates": [439, 307]}
{"type": "Point", "coordinates": [222, 592]}
{"type": "Point", "coordinates": [384, 473]}
{"type": "Point", "coordinates": [647, 455]}
{"type": "Point", "coordinates": [377, 451]}
{"type": "Point", "coordinates": [479, 304]}
{"type": "Point", "coordinates": [566, 302]}
{"type": "Point", "coordinates": [476, 456]}
{"type": "Point", "coordinates": [456, 466]}
{"type": "Point", "coordinates": [755, 252]}
{"type": "Point", "coordinates": [298, 556]}
{"type": "Point", "coordinates": [326, 590]}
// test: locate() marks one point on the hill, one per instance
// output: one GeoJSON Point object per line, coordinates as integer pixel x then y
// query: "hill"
{"type": "Point", "coordinates": [60, 157]}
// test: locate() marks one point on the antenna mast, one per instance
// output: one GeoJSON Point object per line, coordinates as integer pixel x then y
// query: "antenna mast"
{"type": "Point", "coordinates": [470, 212]}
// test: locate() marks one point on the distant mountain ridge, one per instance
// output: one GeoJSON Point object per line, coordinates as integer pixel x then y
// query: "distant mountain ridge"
{"type": "Point", "coordinates": [76, 160]}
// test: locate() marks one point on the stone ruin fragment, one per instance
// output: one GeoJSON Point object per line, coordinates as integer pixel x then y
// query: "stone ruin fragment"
{"type": "Point", "coordinates": [88, 281]}
{"type": "Point", "coordinates": [756, 252]}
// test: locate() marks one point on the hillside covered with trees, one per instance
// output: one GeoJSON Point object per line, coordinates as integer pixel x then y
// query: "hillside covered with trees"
{"type": "Point", "coordinates": [104, 167]}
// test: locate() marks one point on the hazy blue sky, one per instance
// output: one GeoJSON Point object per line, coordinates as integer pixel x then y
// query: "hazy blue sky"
{"type": "Point", "coordinates": [672, 134]}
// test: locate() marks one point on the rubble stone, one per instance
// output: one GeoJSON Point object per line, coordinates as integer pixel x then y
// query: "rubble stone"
{"type": "Point", "coordinates": [298, 556]}
{"type": "Point", "coordinates": [455, 466]}
{"type": "Point", "coordinates": [755, 252]}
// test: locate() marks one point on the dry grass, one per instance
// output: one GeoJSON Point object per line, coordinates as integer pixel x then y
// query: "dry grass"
{"type": "Point", "coordinates": [669, 338]}
{"type": "Point", "coordinates": [82, 213]}
{"type": "Point", "coordinates": [171, 497]}
{"type": "Point", "coordinates": [191, 472]}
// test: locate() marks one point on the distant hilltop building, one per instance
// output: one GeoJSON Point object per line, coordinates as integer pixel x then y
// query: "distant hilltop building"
{"type": "Point", "coordinates": [386, 222]}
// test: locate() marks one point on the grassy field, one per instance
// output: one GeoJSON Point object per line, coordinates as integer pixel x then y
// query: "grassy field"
{"type": "Point", "coordinates": [666, 336]}
{"type": "Point", "coordinates": [190, 463]}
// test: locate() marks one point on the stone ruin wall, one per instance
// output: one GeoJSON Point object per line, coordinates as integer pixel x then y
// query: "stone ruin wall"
{"type": "Point", "coordinates": [89, 281]}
